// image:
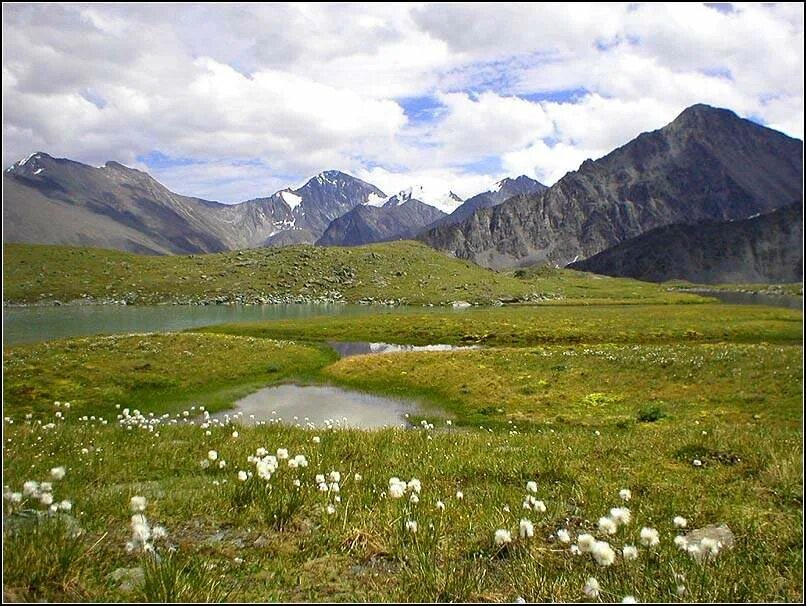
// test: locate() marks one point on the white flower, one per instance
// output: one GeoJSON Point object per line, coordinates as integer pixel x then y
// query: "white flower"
{"type": "Point", "coordinates": [297, 482]}
{"type": "Point", "coordinates": [681, 541]}
{"type": "Point", "coordinates": [630, 552]}
{"type": "Point", "coordinates": [54, 508]}
{"type": "Point", "coordinates": [16, 497]}
{"type": "Point", "coordinates": [316, 439]}
{"type": "Point", "coordinates": [574, 549]}
{"type": "Point", "coordinates": [539, 506]}
{"type": "Point", "coordinates": [243, 476]}
{"type": "Point", "coordinates": [680, 522]}
{"type": "Point", "coordinates": [300, 460]}
{"type": "Point", "coordinates": [320, 478]}
{"type": "Point", "coordinates": [411, 526]}
{"type": "Point", "coordinates": [235, 434]}
{"type": "Point", "coordinates": [322, 487]}
{"type": "Point", "coordinates": [697, 463]}
{"type": "Point", "coordinates": [592, 588]}
{"type": "Point", "coordinates": [414, 498]}
{"type": "Point", "coordinates": [46, 498]}
{"type": "Point", "coordinates": [57, 473]}
{"type": "Point", "coordinates": [607, 525]}
{"type": "Point", "coordinates": [681, 590]}
{"type": "Point", "coordinates": [586, 542]}
{"type": "Point", "coordinates": [46, 487]}
{"type": "Point", "coordinates": [502, 537]}
{"type": "Point", "coordinates": [629, 599]}
{"type": "Point", "coordinates": [334, 487]}
{"type": "Point", "coordinates": [625, 494]}
{"type": "Point", "coordinates": [603, 553]}
{"type": "Point", "coordinates": [282, 453]}
{"type": "Point", "coordinates": [30, 488]}
{"type": "Point", "coordinates": [397, 488]}
{"type": "Point", "coordinates": [137, 504]}
{"type": "Point", "coordinates": [649, 537]}
{"type": "Point", "coordinates": [563, 536]}
{"type": "Point", "coordinates": [212, 455]}
{"type": "Point", "coordinates": [330, 509]}
{"type": "Point", "coordinates": [526, 529]}
{"type": "Point", "coordinates": [460, 495]}
{"type": "Point", "coordinates": [505, 508]}
{"type": "Point", "coordinates": [222, 464]}
{"type": "Point", "coordinates": [519, 599]}
{"type": "Point", "coordinates": [65, 505]}
{"type": "Point", "coordinates": [159, 532]}
{"type": "Point", "coordinates": [261, 452]}
{"type": "Point", "coordinates": [531, 487]}
{"type": "Point", "coordinates": [440, 506]}
{"type": "Point", "coordinates": [414, 484]}
{"type": "Point", "coordinates": [334, 476]}
{"type": "Point", "coordinates": [358, 477]}
{"type": "Point", "coordinates": [621, 515]}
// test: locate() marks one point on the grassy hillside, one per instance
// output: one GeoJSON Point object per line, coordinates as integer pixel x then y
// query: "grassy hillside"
{"type": "Point", "coordinates": [708, 431]}
{"type": "Point", "coordinates": [401, 272]}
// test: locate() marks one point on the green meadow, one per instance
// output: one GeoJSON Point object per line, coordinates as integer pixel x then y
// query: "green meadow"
{"type": "Point", "coordinates": [696, 409]}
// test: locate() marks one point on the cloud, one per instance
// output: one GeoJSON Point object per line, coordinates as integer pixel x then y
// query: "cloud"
{"type": "Point", "coordinates": [247, 98]}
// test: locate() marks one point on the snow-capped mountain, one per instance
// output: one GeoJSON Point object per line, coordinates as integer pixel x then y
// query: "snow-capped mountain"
{"type": "Point", "coordinates": [59, 201]}
{"type": "Point", "coordinates": [397, 217]}
{"type": "Point", "coordinates": [498, 193]}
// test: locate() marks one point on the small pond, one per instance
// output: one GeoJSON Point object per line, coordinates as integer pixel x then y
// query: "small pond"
{"type": "Point", "coordinates": [357, 348]}
{"type": "Point", "coordinates": [318, 406]}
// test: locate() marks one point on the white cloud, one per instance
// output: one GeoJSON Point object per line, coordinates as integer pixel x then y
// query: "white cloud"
{"type": "Point", "coordinates": [258, 94]}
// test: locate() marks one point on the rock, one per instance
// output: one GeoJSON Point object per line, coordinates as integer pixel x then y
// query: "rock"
{"type": "Point", "coordinates": [460, 304]}
{"type": "Point", "coordinates": [260, 542]}
{"type": "Point", "coordinates": [128, 578]}
{"type": "Point", "coordinates": [720, 533]}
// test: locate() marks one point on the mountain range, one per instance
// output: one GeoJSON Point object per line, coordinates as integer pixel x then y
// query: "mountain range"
{"type": "Point", "coordinates": [399, 217]}
{"type": "Point", "coordinates": [666, 204]}
{"type": "Point", "coordinates": [707, 165]}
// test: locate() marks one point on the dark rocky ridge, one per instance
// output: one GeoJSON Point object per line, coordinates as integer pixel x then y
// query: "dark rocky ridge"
{"type": "Point", "coordinates": [506, 188]}
{"type": "Point", "coordinates": [401, 217]}
{"type": "Point", "coordinates": [707, 165]}
{"type": "Point", "coordinates": [764, 249]}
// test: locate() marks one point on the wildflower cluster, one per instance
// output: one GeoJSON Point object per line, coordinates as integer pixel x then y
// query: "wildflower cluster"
{"type": "Point", "coordinates": [144, 538]}
{"type": "Point", "coordinates": [41, 493]}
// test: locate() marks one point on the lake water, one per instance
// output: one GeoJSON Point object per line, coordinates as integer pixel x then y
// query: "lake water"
{"type": "Point", "coordinates": [749, 298]}
{"type": "Point", "coordinates": [33, 324]}
{"type": "Point", "coordinates": [318, 406]}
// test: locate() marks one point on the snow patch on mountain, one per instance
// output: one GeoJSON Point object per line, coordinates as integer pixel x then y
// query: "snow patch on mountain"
{"type": "Point", "coordinates": [375, 200]}
{"type": "Point", "coordinates": [290, 198]}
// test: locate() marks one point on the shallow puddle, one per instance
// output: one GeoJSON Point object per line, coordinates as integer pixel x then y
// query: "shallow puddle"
{"type": "Point", "coordinates": [346, 349]}
{"type": "Point", "coordinates": [318, 406]}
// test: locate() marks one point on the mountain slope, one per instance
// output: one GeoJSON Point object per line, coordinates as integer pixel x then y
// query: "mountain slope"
{"type": "Point", "coordinates": [763, 249]}
{"type": "Point", "coordinates": [707, 165]}
{"type": "Point", "coordinates": [503, 190]}
{"type": "Point", "coordinates": [400, 217]}
{"type": "Point", "coordinates": [58, 201]}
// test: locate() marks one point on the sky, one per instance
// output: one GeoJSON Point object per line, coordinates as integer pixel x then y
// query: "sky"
{"type": "Point", "coordinates": [235, 101]}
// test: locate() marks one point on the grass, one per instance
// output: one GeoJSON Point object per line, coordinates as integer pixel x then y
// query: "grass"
{"type": "Point", "coordinates": [558, 403]}
{"type": "Point", "coordinates": [529, 325]}
{"type": "Point", "coordinates": [401, 272]}
{"type": "Point", "coordinates": [150, 372]}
